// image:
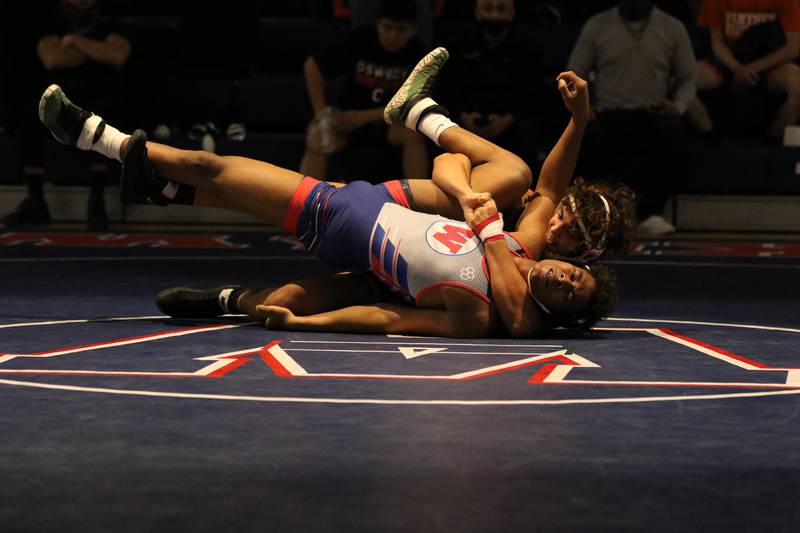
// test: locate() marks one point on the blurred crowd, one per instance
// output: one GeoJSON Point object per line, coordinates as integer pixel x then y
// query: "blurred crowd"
{"type": "Point", "coordinates": [662, 74]}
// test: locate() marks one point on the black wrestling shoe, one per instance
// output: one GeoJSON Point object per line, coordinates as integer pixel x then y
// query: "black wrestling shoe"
{"type": "Point", "coordinates": [63, 118]}
{"type": "Point", "coordinates": [140, 183]}
{"type": "Point", "coordinates": [183, 302]}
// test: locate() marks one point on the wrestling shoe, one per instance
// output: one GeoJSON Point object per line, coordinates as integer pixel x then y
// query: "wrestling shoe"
{"type": "Point", "coordinates": [63, 118]}
{"type": "Point", "coordinates": [140, 183]}
{"type": "Point", "coordinates": [417, 86]}
{"type": "Point", "coordinates": [183, 302]}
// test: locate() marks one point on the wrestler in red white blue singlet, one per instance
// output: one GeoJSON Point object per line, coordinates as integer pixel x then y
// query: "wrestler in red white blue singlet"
{"type": "Point", "coordinates": [371, 226]}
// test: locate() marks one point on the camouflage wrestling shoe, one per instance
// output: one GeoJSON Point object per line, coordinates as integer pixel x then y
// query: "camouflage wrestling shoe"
{"type": "Point", "coordinates": [63, 118]}
{"type": "Point", "coordinates": [417, 86]}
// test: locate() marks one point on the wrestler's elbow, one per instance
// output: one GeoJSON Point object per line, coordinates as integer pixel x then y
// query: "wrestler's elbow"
{"type": "Point", "coordinates": [468, 327]}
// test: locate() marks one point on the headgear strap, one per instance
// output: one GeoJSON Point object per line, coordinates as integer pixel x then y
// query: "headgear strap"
{"type": "Point", "coordinates": [593, 251]}
{"type": "Point", "coordinates": [535, 299]}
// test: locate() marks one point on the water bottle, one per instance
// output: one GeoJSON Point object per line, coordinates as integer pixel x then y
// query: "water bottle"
{"type": "Point", "coordinates": [327, 129]}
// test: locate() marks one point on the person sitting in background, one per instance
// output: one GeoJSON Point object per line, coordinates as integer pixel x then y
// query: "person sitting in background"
{"type": "Point", "coordinates": [374, 62]}
{"type": "Point", "coordinates": [643, 82]}
{"type": "Point", "coordinates": [754, 43]}
{"type": "Point", "coordinates": [365, 12]}
{"type": "Point", "coordinates": [85, 55]}
{"type": "Point", "coordinates": [494, 82]}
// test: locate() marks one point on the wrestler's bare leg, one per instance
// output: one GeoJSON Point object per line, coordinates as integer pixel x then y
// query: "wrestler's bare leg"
{"type": "Point", "coordinates": [315, 295]}
{"type": "Point", "coordinates": [495, 170]}
{"type": "Point", "coordinates": [254, 187]}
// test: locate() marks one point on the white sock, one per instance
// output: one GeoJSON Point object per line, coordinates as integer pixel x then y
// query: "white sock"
{"type": "Point", "coordinates": [108, 144]}
{"type": "Point", "coordinates": [416, 111]}
{"type": "Point", "coordinates": [171, 190]}
{"type": "Point", "coordinates": [433, 125]}
{"type": "Point", "coordinates": [223, 297]}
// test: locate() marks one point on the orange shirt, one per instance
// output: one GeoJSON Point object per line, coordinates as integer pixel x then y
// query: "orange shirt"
{"type": "Point", "coordinates": [732, 17]}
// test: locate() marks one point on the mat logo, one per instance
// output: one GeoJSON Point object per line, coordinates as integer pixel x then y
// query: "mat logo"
{"type": "Point", "coordinates": [547, 366]}
{"type": "Point", "coordinates": [667, 359]}
{"type": "Point", "coordinates": [449, 238]}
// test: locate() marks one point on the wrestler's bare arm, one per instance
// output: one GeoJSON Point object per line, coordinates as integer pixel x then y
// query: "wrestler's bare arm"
{"type": "Point", "coordinates": [452, 173]}
{"type": "Point", "coordinates": [559, 166]}
{"type": "Point", "coordinates": [384, 318]}
{"type": "Point", "coordinates": [509, 289]}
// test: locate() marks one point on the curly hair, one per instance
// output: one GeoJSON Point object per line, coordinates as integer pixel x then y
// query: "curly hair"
{"type": "Point", "coordinates": [602, 303]}
{"type": "Point", "coordinates": [622, 202]}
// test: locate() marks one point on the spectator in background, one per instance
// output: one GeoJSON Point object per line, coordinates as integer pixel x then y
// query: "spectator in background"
{"type": "Point", "coordinates": [642, 66]}
{"type": "Point", "coordinates": [372, 63]}
{"type": "Point", "coordinates": [83, 55]}
{"type": "Point", "coordinates": [494, 82]}
{"type": "Point", "coordinates": [754, 43]}
{"type": "Point", "coordinates": [365, 12]}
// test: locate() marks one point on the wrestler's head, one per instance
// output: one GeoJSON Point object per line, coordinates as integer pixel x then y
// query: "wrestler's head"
{"type": "Point", "coordinates": [589, 220]}
{"type": "Point", "coordinates": [572, 295]}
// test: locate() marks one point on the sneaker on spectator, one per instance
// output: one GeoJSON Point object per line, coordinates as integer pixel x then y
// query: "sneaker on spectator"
{"type": "Point", "coordinates": [236, 131]}
{"type": "Point", "coordinates": [162, 132]}
{"type": "Point", "coordinates": [199, 129]}
{"type": "Point", "coordinates": [655, 225]}
{"type": "Point", "coordinates": [207, 134]}
{"type": "Point", "coordinates": [791, 136]}
{"type": "Point", "coordinates": [30, 212]}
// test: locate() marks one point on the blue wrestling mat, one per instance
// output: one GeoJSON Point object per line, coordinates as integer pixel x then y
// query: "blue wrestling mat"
{"type": "Point", "coordinates": [677, 414]}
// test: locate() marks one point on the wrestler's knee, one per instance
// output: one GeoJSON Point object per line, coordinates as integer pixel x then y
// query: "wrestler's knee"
{"type": "Point", "coordinates": [517, 175]}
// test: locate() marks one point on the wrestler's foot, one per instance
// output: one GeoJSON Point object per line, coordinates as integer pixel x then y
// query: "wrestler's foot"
{"type": "Point", "coordinates": [417, 86]}
{"type": "Point", "coordinates": [63, 118]}
{"type": "Point", "coordinates": [183, 302]}
{"type": "Point", "coordinates": [140, 183]}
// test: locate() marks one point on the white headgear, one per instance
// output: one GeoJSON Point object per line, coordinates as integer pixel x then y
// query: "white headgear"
{"type": "Point", "coordinates": [593, 251]}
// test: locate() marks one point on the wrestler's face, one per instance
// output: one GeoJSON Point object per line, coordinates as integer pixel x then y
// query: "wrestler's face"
{"type": "Point", "coordinates": [394, 34]}
{"type": "Point", "coordinates": [563, 288]}
{"type": "Point", "coordinates": [561, 238]}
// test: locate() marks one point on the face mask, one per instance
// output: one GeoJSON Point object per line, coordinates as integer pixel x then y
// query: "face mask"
{"type": "Point", "coordinates": [495, 28]}
{"type": "Point", "coordinates": [635, 9]}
